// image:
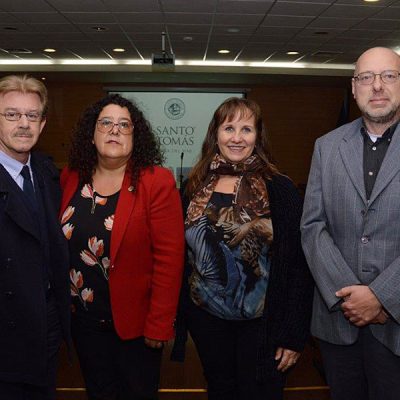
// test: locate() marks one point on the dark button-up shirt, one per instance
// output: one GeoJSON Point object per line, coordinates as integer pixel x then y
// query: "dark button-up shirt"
{"type": "Point", "coordinates": [374, 153]}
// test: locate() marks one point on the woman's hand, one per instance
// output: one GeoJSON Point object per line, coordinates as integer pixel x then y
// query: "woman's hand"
{"type": "Point", "coordinates": [154, 343]}
{"type": "Point", "coordinates": [287, 358]}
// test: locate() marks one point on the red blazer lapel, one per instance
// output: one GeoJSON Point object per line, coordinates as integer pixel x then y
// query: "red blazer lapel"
{"type": "Point", "coordinates": [124, 209]}
{"type": "Point", "coordinates": [126, 202]}
{"type": "Point", "coordinates": [69, 184]}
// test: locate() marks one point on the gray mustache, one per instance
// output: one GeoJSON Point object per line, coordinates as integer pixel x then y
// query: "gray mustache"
{"type": "Point", "coordinates": [27, 134]}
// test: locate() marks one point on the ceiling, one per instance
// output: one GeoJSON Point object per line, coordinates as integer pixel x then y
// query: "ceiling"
{"type": "Point", "coordinates": [329, 35]}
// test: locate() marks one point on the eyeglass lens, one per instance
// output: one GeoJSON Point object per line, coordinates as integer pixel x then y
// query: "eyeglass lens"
{"type": "Point", "coordinates": [106, 125]}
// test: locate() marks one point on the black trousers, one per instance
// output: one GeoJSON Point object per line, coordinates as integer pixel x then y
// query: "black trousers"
{"type": "Point", "coordinates": [365, 370]}
{"type": "Point", "coordinates": [115, 369]}
{"type": "Point", "coordinates": [228, 353]}
{"type": "Point", "coordinates": [22, 391]}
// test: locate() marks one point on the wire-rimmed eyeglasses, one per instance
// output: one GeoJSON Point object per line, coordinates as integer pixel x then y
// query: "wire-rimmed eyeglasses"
{"type": "Point", "coordinates": [368, 78]}
{"type": "Point", "coordinates": [106, 125]}
{"type": "Point", "coordinates": [32, 116]}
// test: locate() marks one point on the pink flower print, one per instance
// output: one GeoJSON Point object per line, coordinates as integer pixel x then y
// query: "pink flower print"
{"type": "Point", "coordinates": [92, 256]}
{"type": "Point", "coordinates": [69, 211]}
{"type": "Point", "coordinates": [68, 229]}
{"type": "Point", "coordinates": [106, 263]}
{"type": "Point", "coordinates": [96, 246]}
{"type": "Point", "coordinates": [74, 290]}
{"type": "Point", "coordinates": [87, 192]}
{"type": "Point", "coordinates": [100, 200]}
{"type": "Point", "coordinates": [76, 278]}
{"type": "Point", "coordinates": [87, 295]}
{"type": "Point", "coordinates": [108, 222]}
{"type": "Point", "coordinates": [88, 258]}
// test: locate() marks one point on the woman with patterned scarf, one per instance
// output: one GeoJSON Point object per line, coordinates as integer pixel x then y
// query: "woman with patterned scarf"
{"type": "Point", "coordinates": [247, 292]}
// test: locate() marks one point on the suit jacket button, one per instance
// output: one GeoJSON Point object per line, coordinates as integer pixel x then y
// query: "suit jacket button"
{"type": "Point", "coordinates": [9, 294]}
{"type": "Point", "coordinates": [364, 239]}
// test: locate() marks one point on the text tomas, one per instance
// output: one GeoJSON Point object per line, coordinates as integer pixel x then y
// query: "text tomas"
{"type": "Point", "coordinates": [175, 135]}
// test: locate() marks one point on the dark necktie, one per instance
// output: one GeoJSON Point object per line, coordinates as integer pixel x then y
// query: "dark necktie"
{"type": "Point", "coordinates": [27, 186]}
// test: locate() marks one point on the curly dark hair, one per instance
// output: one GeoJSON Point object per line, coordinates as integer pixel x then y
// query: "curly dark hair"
{"type": "Point", "coordinates": [83, 155]}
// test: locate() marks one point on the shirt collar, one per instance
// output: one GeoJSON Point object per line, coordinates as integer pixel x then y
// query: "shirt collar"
{"type": "Point", "coordinates": [12, 166]}
{"type": "Point", "coordinates": [386, 135]}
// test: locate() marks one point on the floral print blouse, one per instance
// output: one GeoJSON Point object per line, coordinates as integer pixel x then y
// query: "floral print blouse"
{"type": "Point", "coordinates": [87, 223]}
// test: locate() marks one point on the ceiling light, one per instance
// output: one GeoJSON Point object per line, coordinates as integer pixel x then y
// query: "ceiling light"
{"type": "Point", "coordinates": [371, 1]}
{"type": "Point", "coordinates": [43, 78]}
{"type": "Point", "coordinates": [18, 51]}
{"type": "Point", "coordinates": [233, 30]}
{"type": "Point", "coordinates": [119, 50]}
{"type": "Point", "coordinates": [48, 50]}
{"type": "Point", "coordinates": [187, 38]}
{"type": "Point", "coordinates": [98, 28]}
{"type": "Point", "coordinates": [292, 53]}
{"type": "Point", "coordinates": [224, 51]}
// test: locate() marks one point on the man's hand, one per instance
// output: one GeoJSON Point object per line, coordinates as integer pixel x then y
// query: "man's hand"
{"type": "Point", "coordinates": [360, 306]}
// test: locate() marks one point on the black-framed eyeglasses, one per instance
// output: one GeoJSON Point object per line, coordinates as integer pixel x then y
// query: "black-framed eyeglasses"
{"type": "Point", "coordinates": [32, 116]}
{"type": "Point", "coordinates": [106, 125]}
{"type": "Point", "coordinates": [368, 78]}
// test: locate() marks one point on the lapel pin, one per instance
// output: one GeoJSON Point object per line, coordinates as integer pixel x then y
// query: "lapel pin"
{"type": "Point", "coordinates": [130, 188]}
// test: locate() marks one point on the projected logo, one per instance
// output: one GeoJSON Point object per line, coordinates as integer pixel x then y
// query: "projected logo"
{"type": "Point", "coordinates": [174, 108]}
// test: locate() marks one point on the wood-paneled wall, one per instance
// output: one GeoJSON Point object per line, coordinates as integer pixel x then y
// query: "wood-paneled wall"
{"type": "Point", "coordinates": [67, 101]}
{"type": "Point", "coordinates": [294, 115]}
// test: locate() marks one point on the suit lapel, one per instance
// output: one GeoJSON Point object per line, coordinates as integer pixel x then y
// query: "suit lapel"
{"type": "Point", "coordinates": [126, 203]}
{"type": "Point", "coordinates": [49, 200]}
{"type": "Point", "coordinates": [15, 207]}
{"type": "Point", "coordinates": [390, 166]}
{"type": "Point", "coordinates": [351, 150]}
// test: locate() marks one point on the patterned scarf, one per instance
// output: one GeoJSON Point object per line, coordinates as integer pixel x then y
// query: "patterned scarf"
{"type": "Point", "coordinates": [250, 196]}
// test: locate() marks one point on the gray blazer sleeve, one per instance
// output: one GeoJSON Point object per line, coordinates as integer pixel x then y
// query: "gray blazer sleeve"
{"type": "Point", "coordinates": [327, 265]}
{"type": "Point", "coordinates": [386, 288]}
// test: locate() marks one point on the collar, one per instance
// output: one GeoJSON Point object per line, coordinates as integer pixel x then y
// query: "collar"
{"type": "Point", "coordinates": [386, 135]}
{"type": "Point", "coordinates": [12, 166]}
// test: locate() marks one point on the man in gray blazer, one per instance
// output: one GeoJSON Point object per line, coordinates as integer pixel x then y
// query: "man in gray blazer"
{"type": "Point", "coordinates": [351, 238]}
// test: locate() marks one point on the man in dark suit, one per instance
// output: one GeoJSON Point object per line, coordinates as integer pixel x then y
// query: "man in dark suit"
{"type": "Point", "coordinates": [34, 306]}
{"type": "Point", "coordinates": [351, 237]}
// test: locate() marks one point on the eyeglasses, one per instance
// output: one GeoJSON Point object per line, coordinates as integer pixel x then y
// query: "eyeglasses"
{"type": "Point", "coordinates": [105, 125]}
{"type": "Point", "coordinates": [368, 78]}
{"type": "Point", "coordinates": [16, 116]}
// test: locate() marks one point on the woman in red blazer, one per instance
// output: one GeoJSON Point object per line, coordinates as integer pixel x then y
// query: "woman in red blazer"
{"type": "Point", "coordinates": [122, 217]}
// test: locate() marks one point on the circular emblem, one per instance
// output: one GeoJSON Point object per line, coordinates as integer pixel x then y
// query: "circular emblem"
{"type": "Point", "coordinates": [174, 108]}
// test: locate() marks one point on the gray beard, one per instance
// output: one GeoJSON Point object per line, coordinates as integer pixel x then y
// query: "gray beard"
{"type": "Point", "coordinates": [382, 119]}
